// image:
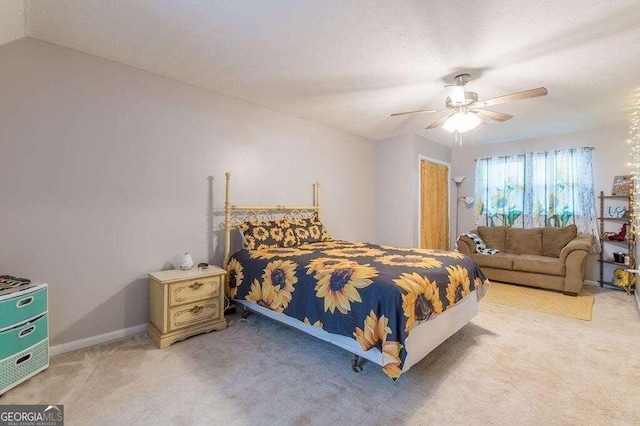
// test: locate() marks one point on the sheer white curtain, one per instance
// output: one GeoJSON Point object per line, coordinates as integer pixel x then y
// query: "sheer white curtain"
{"type": "Point", "coordinates": [500, 191]}
{"type": "Point", "coordinates": [552, 188]}
{"type": "Point", "coordinates": [561, 190]}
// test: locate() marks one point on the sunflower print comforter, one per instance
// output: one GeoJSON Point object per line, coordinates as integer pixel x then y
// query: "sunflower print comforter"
{"type": "Point", "coordinates": [375, 294]}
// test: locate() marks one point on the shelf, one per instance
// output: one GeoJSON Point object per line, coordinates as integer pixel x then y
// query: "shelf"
{"type": "Point", "coordinates": [615, 219]}
{"type": "Point", "coordinates": [611, 262]}
{"type": "Point", "coordinates": [625, 245]}
{"type": "Point", "coordinates": [620, 243]}
{"type": "Point", "coordinates": [610, 285]}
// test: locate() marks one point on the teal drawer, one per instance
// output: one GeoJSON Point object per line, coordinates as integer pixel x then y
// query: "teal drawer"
{"type": "Point", "coordinates": [23, 365]}
{"type": "Point", "coordinates": [22, 307]}
{"type": "Point", "coordinates": [19, 338]}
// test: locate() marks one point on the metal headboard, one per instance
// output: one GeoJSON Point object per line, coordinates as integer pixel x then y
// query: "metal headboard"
{"type": "Point", "coordinates": [235, 215]}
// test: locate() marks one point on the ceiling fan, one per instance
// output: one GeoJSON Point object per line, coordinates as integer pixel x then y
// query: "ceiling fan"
{"type": "Point", "coordinates": [466, 112]}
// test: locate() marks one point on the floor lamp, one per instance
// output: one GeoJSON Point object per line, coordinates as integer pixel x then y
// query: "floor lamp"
{"type": "Point", "coordinates": [468, 200]}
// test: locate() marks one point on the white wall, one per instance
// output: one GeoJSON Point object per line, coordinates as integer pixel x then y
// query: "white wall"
{"type": "Point", "coordinates": [610, 158]}
{"type": "Point", "coordinates": [393, 191]}
{"type": "Point", "coordinates": [11, 20]}
{"type": "Point", "coordinates": [397, 186]}
{"type": "Point", "coordinates": [103, 178]}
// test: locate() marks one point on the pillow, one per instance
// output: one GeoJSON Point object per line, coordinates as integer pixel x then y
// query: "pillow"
{"type": "Point", "coordinates": [524, 241]}
{"type": "Point", "coordinates": [555, 239]}
{"type": "Point", "coordinates": [289, 237]}
{"type": "Point", "coordinates": [324, 234]}
{"type": "Point", "coordinates": [493, 236]}
{"type": "Point", "coordinates": [309, 230]}
{"type": "Point", "coordinates": [262, 234]}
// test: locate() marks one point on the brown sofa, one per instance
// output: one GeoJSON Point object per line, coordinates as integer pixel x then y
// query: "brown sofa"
{"type": "Point", "coordinates": [551, 258]}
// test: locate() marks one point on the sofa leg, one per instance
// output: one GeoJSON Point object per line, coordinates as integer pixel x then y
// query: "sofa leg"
{"type": "Point", "coordinates": [568, 293]}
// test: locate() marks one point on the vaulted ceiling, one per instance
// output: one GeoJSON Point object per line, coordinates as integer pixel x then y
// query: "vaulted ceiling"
{"type": "Point", "coordinates": [349, 64]}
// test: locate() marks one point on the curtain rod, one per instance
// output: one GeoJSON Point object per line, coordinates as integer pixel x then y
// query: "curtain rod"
{"type": "Point", "coordinates": [590, 148]}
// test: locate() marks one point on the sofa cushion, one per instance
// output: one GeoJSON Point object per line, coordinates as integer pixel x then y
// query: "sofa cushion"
{"type": "Point", "coordinates": [555, 239]}
{"type": "Point", "coordinates": [524, 241]}
{"type": "Point", "coordinates": [497, 261]}
{"type": "Point", "coordinates": [493, 236]}
{"type": "Point", "coordinates": [532, 279]}
{"type": "Point", "coordinates": [539, 264]}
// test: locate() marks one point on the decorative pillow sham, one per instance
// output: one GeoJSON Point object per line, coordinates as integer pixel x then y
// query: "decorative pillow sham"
{"type": "Point", "coordinates": [258, 235]}
{"type": "Point", "coordinates": [309, 230]}
{"type": "Point", "coordinates": [289, 237]}
{"type": "Point", "coordinates": [262, 234]}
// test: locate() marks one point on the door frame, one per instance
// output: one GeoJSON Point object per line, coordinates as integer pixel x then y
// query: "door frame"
{"type": "Point", "coordinates": [422, 158]}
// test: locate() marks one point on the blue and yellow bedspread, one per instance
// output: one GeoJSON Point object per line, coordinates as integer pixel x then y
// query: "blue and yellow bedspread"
{"type": "Point", "coordinates": [375, 294]}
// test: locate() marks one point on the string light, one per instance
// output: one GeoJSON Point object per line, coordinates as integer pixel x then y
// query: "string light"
{"type": "Point", "coordinates": [634, 141]}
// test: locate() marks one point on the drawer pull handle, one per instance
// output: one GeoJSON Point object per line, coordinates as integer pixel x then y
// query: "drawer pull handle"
{"type": "Point", "coordinates": [27, 331]}
{"type": "Point", "coordinates": [195, 286]}
{"type": "Point", "coordinates": [23, 359]}
{"type": "Point", "coordinates": [24, 302]}
{"type": "Point", "coordinates": [196, 310]}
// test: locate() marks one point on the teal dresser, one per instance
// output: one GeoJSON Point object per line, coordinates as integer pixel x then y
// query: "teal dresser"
{"type": "Point", "coordinates": [24, 334]}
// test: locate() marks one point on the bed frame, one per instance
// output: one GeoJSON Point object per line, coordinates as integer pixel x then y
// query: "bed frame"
{"type": "Point", "coordinates": [235, 215]}
{"type": "Point", "coordinates": [423, 338]}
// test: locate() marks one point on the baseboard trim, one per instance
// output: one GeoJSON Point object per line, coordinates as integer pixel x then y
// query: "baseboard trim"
{"type": "Point", "coordinates": [96, 340]}
{"type": "Point", "coordinates": [590, 282]}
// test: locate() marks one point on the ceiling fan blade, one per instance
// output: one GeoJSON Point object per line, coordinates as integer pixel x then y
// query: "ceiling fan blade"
{"type": "Point", "coordinates": [540, 91]}
{"type": "Point", "coordinates": [493, 115]}
{"type": "Point", "coordinates": [413, 112]}
{"type": "Point", "coordinates": [439, 122]}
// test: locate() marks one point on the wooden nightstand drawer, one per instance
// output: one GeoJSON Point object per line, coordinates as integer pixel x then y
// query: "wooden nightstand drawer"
{"type": "Point", "coordinates": [194, 313]}
{"type": "Point", "coordinates": [194, 290]}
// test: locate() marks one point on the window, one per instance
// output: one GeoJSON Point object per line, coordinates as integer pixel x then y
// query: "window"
{"type": "Point", "coordinates": [538, 189]}
{"type": "Point", "coordinates": [500, 191]}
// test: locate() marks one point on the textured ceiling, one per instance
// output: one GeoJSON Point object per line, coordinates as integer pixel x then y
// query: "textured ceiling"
{"type": "Point", "coordinates": [11, 20]}
{"type": "Point", "coordinates": [349, 64]}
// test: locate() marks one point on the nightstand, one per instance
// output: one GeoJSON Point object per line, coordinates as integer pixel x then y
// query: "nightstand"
{"type": "Point", "coordinates": [185, 303]}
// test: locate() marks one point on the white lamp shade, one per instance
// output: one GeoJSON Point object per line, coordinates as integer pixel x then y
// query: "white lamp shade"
{"type": "Point", "coordinates": [462, 122]}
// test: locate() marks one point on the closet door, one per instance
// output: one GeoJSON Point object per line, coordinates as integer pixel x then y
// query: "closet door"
{"type": "Point", "coordinates": [434, 205]}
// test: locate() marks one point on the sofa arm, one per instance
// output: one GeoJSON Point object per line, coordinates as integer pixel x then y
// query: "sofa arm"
{"type": "Point", "coordinates": [574, 256]}
{"type": "Point", "coordinates": [466, 245]}
{"type": "Point", "coordinates": [574, 271]}
{"type": "Point", "coordinates": [581, 242]}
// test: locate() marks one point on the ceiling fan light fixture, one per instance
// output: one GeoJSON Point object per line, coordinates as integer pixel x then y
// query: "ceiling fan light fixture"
{"type": "Point", "coordinates": [456, 94]}
{"type": "Point", "coordinates": [462, 121]}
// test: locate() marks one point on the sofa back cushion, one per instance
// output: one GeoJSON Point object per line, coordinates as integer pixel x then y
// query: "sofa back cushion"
{"type": "Point", "coordinates": [524, 241]}
{"type": "Point", "coordinates": [555, 239]}
{"type": "Point", "coordinates": [493, 236]}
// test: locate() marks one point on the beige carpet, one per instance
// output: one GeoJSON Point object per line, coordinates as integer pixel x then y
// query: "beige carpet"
{"type": "Point", "coordinates": [550, 302]}
{"type": "Point", "coordinates": [508, 366]}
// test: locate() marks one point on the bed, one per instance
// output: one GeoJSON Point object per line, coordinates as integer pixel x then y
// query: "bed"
{"type": "Point", "coordinates": [391, 306]}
